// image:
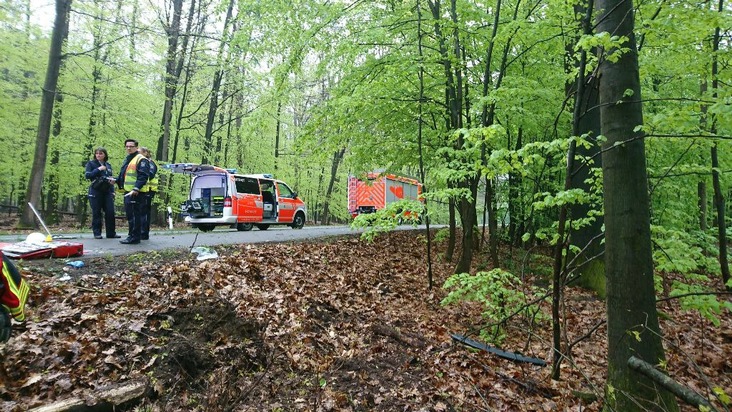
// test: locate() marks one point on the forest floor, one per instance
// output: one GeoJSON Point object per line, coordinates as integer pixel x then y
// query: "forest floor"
{"type": "Point", "coordinates": [330, 325]}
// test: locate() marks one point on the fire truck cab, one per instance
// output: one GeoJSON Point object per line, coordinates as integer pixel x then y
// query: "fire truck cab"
{"type": "Point", "coordinates": [221, 197]}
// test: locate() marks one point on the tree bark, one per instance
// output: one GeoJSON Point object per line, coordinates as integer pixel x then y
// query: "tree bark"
{"type": "Point", "coordinates": [171, 78]}
{"type": "Point", "coordinates": [587, 122]}
{"type": "Point", "coordinates": [701, 191]}
{"type": "Point", "coordinates": [719, 206]}
{"type": "Point", "coordinates": [216, 88]}
{"type": "Point", "coordinates": [452, 238]}
{"type": "Point", "coordinates": [33, 193]}
{"type": "Point", "coordinates": [337, 158]}
{"type": "Point", "coordinates": [718, 195]}
{"type": "Point", "coordinates": [632, 320]}
{"type": "Point", "coordinates": [179, 70]}
{"type": "Point", "coordinates": [420, 108]}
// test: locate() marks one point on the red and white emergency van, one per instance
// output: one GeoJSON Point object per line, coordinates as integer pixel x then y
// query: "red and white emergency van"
{"type": "Point", "coordinates": [221, 197]}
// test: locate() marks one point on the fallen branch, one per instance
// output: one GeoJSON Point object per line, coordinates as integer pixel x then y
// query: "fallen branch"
{"type": "Point", "coordinates": [681, 391]}
{"type": "Point", "coordinates": [108, 398]}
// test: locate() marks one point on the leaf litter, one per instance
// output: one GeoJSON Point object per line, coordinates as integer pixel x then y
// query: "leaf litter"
{"type": "Point", "coordinates": [336, 325]}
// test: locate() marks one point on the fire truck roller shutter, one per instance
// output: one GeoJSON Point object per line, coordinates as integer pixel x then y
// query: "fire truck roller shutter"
{"type": "Point", "coordinates": [395, 190]}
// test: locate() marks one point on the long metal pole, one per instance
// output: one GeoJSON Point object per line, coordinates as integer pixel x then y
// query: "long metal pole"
{"type": "Point", "coordinates": [35, 212]}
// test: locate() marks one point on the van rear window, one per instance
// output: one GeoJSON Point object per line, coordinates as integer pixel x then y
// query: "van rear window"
{"type": "Point", "coordinates": [246, 185]}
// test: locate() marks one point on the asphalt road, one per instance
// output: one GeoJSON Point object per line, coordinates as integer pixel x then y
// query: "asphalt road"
{"type": "Point", "coordinates": [166, 239]}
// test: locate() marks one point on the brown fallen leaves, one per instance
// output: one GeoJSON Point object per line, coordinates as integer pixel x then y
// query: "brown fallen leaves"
{"type": "Point", "coordinates": [342, 325]}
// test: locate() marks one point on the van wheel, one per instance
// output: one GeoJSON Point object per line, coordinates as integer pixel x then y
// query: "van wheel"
{"type": "Point", "coordinates": [244, 227]}
{"type": "Point", "coordinates": [206, 228]}
{"type": "Point", "coordinates": [263, 227]}
{"type": "Point", "coordinates": [299, 221]}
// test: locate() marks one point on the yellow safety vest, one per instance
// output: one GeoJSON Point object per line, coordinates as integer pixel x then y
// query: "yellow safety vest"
{"type": "Point", "coordinates": [152, 184]}
{"type": "Point", "coordinates": [14, 291]}
{"type": "Point", "coordinates": [131, 173]}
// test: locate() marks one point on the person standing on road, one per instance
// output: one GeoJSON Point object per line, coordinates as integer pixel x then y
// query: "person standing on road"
{"type": "Point", "coordinates": [132, 178]}
{"type": "Point", "coordinates": [150, 189]}
{"type": "Point", "coordinates": [101, 193]}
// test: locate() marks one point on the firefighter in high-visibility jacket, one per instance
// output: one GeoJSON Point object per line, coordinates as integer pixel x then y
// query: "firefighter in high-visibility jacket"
{"type": "Point", "coordinates": [150, 189]}
{"type": "Point", "coordinates": [132, 179]}
{"type": "Point", "coordinates": [13, 295]}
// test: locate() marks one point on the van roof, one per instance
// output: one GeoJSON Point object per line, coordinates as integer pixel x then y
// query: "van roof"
{"type": "Point", "coordinates": [194, 168]}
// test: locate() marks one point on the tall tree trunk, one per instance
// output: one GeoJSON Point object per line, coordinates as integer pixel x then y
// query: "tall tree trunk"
{"type": "Point", "coordinates": [490, 195]}
{"type": "Point", "coordinates": [337, 158]}
{"type": "Point", "coordinates": [171, 77]}
{"type": "Point", "coordinates": [632, 319]}
{"type": "Point", "coordinates": [52, 215]}
{"type": "Point", "coordinates": [586, 121]}
{"type": "Point", "coordinates": [701, 192]}
{"type": "Point", "coordinates": [718, 195]}
{"type": "Point", "coordinates": [452, 120]}
{"type": "Point", "coordinates": [278, 130]}
{"type": "Point", "coordinates": [33, 193]}
{"type": "Point", "coordinates": [420, 108]}
{"type": "Point", "coordinates": [719, 207]}
{"type": "Point", "coordinates": [216, 87]}
{"type": "Point", "coordinates": [181, 60]}
{"type": "Point", "coordinates": [133, 29]}
{"type": "Point", "coordinates": [52, 200]}
{"type": "Point", "coordinates": [515, 205]}
{"type": "Point", "coordinates": [450, 252]}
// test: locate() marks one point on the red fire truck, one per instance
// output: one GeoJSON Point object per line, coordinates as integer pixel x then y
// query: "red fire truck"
{"type": "Point", "coordinates": [376, 190]}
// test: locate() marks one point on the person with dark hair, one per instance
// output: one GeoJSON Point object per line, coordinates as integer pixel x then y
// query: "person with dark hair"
{"type": "Point", "coordinates": [101, 193]}
{"type": "Point", "coordinates": [132, 179]}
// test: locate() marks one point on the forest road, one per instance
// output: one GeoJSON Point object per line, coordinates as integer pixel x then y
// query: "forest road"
{"type": "Point", "coordinates": [187, 239]}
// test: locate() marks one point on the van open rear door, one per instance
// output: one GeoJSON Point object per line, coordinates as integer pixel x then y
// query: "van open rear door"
{"type": "Point", "coordinates": [190, 168]}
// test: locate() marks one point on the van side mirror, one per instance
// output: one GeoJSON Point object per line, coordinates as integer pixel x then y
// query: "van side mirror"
{"type": "Point", "coordinates": [294, 195]}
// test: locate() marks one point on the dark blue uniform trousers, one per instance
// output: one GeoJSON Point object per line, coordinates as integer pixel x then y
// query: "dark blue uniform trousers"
{"type": "Point", "coordinates": [102, 202]}
{"type": "Point", "coordinates": [134, 209]}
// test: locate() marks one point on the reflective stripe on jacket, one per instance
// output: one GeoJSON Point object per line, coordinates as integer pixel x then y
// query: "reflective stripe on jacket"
{"type": "Point", "coordinates": [13, 290]}
{"type": "Point", "coordinates": [153, 182]}
{"type": "Point", "coordinates": [131, 173]}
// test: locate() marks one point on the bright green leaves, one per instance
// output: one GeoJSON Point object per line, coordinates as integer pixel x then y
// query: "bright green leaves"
{"type": "Point", "coordinates": [695, 297]}
{"type": "Point", "coordinates": [613, 45]}
{"type": "Point", "coordinates": [406, 211]}
{"type": "Point", "coordinates": [683, 251]}
{"type": "Point", "coordinates": [499, 295]}
{"type": "Point", "coordinates": [690, 254]}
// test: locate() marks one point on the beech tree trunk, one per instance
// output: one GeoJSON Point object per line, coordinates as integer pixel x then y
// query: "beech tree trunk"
{"type": "Point", "coordinates": [632, 320]}
{"type": "Point", "coordinates": [420, 125]}
{"type": "Point", "coordinates": [172, 71]}
{"type": "Point", "coordinates": [183, 55]}
{"type": "Point", "coordinates": [337, 158]}
{"type": "Point", "coordinates": [718, 195]}
{"type": "Point", "coordinates": [213, 107]}
{"type": "Point", "coordinates": [33, 193]}
{"type": "Point", "coordinates": [590, 264]}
